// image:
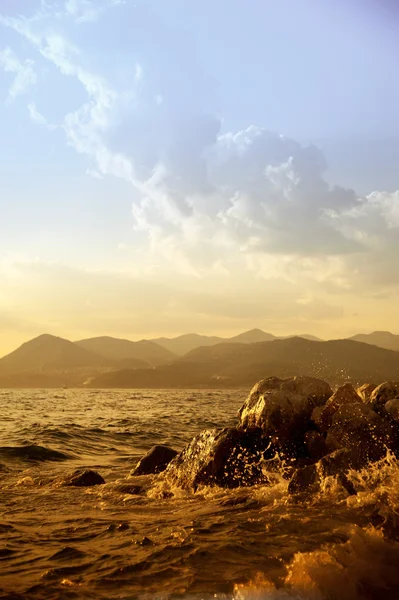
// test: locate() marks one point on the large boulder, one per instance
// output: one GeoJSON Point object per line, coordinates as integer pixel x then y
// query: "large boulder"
{"type": "Point", "coordinates": [322, 416]}
{"type": "Point", "coordinates": [359, 429]}
{"type": "Point", "coordinates": [309, 479]}
{"type": "Point", "coordinates": [282, 408]}
{"type": "Point", "coordinates": [384, 392]}
{"type": "Point", "coordinates": [155, 461]}
{"type": "Point", "coordinates": [227, 458]}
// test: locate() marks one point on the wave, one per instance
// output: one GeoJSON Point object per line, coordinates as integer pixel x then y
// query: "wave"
{"type": "Point", "coordinates": [363, 568]}
{"type": "Point", "coordinates": [34, 453]}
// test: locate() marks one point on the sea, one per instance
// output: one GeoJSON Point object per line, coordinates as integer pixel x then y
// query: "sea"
{"type": "Point", "coordinates": [108, 541]}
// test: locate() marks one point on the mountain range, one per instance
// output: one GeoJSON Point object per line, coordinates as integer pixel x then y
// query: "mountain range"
{"type": "Point", "coordinates": [194, 360]}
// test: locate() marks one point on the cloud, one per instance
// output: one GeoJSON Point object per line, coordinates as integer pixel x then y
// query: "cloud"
{"type": "Point", "coordinates": [24, 73]}
{"type": "Point", "coordinates": [210, 201]}
{"type": "Point", "coordinates": [87, 11]}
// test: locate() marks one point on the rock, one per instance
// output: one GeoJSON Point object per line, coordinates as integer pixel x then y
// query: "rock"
{"type": "Point", "coordinates": [281, 408]}
{"type": "Point", "coordinates": [228, 458]}
{"type": "Point", "coordinates": [366, 390]}
{"type": "Point", "coordinates": [155, 461]}
{"type": "Point", "coordinates": [384, 392]}
{"type": "Point", "coordinates": [315, 444]}
{"type": "Point", "coordinates": [359, 429]}
{"type": "Point", "coordinates": [83, 478]}
{"type": "Point", "coordinates": [323, 415]}
{"type": "Point", "coordinates": [145, 541]}
{"type": "Point", "coordinates": [392, 409]}
{"type": "Point", "coordinates": [309, 479]}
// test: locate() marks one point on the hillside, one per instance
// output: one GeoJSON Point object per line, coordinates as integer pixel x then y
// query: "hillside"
{"type": "Point", "coordinates": [49, 353]}
{"type": "Point", "coordinates": [146, 352]}
{"type": "Point", "coordinates": [231, 364]}
{"type": "Point", "coordinates": [185, 343]}
{"type": "Point", "coordinates": [251, 337]}
{"type": "Point", "coordinates": [383, 339]}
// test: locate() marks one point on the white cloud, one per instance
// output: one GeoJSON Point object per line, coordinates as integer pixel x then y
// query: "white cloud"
{"type": "Point", "coordinates": [24, 73]}
{"type": "Point", "coordinates": [215, 202]}
{"type": "Point", "coordinates": [88, 11]}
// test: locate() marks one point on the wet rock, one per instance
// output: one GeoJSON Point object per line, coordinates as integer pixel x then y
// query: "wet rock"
{"type": "Point", "coordinates": [366, 390]}
{"type": "Point", "coordinates": [392, 409]}
{"type": "Point", "coordinates": [322, 416]}
{"type": "Point", "coordinates": [315, 444]}
{"type": "Point", "coordinates": [155, 461]}
{"type": "Point", "coordinates": [145, 541]}
{"type": "Point", "coordinates": [228, 458]}
{"type": "Point", "coordinates": [83, 478]}
{"type": "Point", "coordinates": [384, 392]}
{"type": "Point", "coordinates": [362, 431]}
{"type": "Point", "coordinates": [308, 480]}
{"type": "Point", "coordinates": [282, 408]}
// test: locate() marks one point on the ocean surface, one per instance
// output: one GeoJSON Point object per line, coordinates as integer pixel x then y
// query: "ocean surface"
{"type": "Point", "coordinates": [109, 542]}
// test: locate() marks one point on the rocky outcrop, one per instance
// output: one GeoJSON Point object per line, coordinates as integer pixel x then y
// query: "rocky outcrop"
{"type": "Point", "coordinates": [297, 426]}
{"type": "Point", "coordinates": [281, 409]}
{"type": "Point", "coordinates": [228, 458]}
{"type": "Point", "coordinates": [322, 416]}
{"type": "Point", "coordinates": [155, 461]}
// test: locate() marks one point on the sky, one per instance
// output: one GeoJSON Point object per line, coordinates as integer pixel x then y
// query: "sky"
{"type": "Point", "coordinates": [171, 166]}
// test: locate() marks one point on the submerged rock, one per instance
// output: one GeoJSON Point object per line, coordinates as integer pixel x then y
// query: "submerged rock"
{"type": "Point", "coordinates": [83, 478]}
{"type": "Point", "coordinates": [322, 416]}
{"type": "Point", "coordinates": [282, 408]}
{"type": "Point", "coordinates": [155, 461]}
{"type": "Point", "coordinates": [227, 458]}
{"type": "Point", "coordinates": [131, 489]}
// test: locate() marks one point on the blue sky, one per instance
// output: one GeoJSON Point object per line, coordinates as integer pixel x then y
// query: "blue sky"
{"type": "Point", "coordinates": [170, 166]}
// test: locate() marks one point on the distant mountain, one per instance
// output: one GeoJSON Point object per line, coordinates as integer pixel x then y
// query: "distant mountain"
{"type": "Point", "coordinates": [305, 336]}
{"type": "Point", "coordinates": [383, 339]}
{"type": "Point", "coordinates": [147, 352]}
{"type": "Point", "coordinates": [251, 337]}
{"type": "Point", "coordinates": [233, 364]}
{"type": "Point", "coordinates": [48, 352]}
{"type": "Point", "coordinates": [185, 343]}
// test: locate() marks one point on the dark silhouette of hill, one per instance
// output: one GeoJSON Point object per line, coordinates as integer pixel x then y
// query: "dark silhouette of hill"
{"type": "Point", "coordinates": [251, 337]}
{"type": "Point", "coordinates": [185, 343]}
{"type": "Point", "coordinates": [232, 364]}
{"type": "Point", "coordinates": [145, 351]}
{"type": "Point", "coordinates": [383, 339]}
{"type": "Point", "coordinates": [48, 352]}
{"type": "Point", "coordinates": [305, 336]}
{"type": "Point", "coordinates": [182, 344]}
